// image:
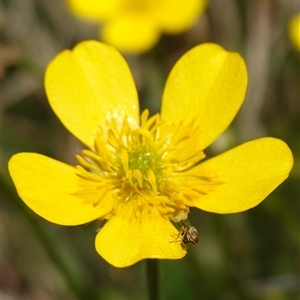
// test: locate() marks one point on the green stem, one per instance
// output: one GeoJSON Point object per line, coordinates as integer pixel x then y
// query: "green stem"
{"type": "Point", "coordinates": [152, 278]}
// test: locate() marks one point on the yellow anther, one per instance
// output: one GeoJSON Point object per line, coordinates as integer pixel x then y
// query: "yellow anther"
{"type": "Point", "coordinates": [112, 139]}
{"type": "Point", "coordinates": [139, 177]}
{"type": "Point", "coordinates": [144, 117]}
{"type": "Point", "coordinates": [88, 175]}
{"type": "Point", "coordinates": [124, 160]}
{"type": "Point", "coordinates": [167, 210]}
{"type": "Point", "coordinates": [152, 181]}
{"type": "Point", "coordinates": [127, 176]}
{"type": "Point", "coordinates": [86, 164]}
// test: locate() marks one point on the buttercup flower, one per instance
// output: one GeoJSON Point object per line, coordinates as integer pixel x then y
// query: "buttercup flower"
{"type": "Point", "coordinates": [143, 174]}
{"type": "Point", "coordinates": [294, 31]}
{"type": "Point", "coordinates": [136, 25]}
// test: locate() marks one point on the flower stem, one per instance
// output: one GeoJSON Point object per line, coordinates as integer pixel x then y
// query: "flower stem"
{"type": "Point", "coordinates": [152, 278]}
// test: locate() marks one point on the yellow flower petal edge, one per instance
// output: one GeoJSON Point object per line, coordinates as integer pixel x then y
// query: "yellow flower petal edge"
{"type": "Point", "coordinates": [142, 36]}
{"type": "Point", "coordinates": [50, 189]}
{"type": "Point", "coordinates": [92, 9]}
{"type": "Point", "coordinates": [125, 239]}
{"type": "Point", "coordinates": [294, 31]}
{"type": "Point", "coordinates": [88, 86]}
{"type": "Point", "coordinates": [177, 16]}
{"type": "Point", "coordinates": [247, 175]}
{"type": "Point", "coordinates": [207, 85]}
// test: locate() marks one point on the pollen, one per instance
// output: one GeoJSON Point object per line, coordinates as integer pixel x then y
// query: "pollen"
{"type": "Point", "coordinates": [145, 166]}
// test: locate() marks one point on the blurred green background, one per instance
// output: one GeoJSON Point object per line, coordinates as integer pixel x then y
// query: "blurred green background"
{"type": "Point", "coordinates": [251, 255]}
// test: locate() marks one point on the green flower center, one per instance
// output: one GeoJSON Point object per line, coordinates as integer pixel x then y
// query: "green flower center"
{"type": "Point", "coordinates": [143, 159]}
{"type": "Point", "coordinates": [140, 160]}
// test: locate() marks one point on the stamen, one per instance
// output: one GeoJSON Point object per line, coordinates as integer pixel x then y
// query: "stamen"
{"type": "Point", "coordinates": [124, 159]}
{"type": "Point", "coordinates": [86, 164]}
{"type": "Point", "coordinates": [113, 140]}
{"type": "Point", "coordinates": [167, 210]}
{"type": "Point", "coordinates": [144, 118]}
{"type": "Point", "coordinates": [88, 175]}
{"type": "Point", "coordinates": [138, 176]}
{"type": "Point", "coordinates": [152, 181]}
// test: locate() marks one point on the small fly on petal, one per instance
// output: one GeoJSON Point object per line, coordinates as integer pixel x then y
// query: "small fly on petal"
{"type": "Point", "coordinates": [187, 236]}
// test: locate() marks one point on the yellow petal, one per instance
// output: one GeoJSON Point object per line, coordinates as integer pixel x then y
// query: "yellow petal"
{"type": "Point", "coordinates": [124, 240]}
{"type": "Point", "coordinates": [177, 15]}
{"type": "Point", "coordinates": [89, 85]}
{"type": "Point", "coordinates": [49, 188]}
{"type": "Point", "coordinates": [93, 10]}
{"type": "Point", "coordinates": [294, 31]}
{"type": "Point", "coordinates": [248, 174]}
{"type": "Point", "coordinates": [131, 33]}
{"type": "Point", "coordinates": [207, 84]}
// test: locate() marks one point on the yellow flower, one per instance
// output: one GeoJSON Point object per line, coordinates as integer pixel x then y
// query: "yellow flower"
{"type": "Point", "coordinates": [294, 31]}
{"type": "Point", "coordinates": [139, 173]}
{"type": "Point", "coordinates": [136, 25]}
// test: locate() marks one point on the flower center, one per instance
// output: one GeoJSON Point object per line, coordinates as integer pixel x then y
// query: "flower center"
{"type": "Point", "coordinates": [143, 159]}
{"type": "Point", "coordinates": [141, 162]}
{"type": "Point", "coordinates": [147, 166]}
